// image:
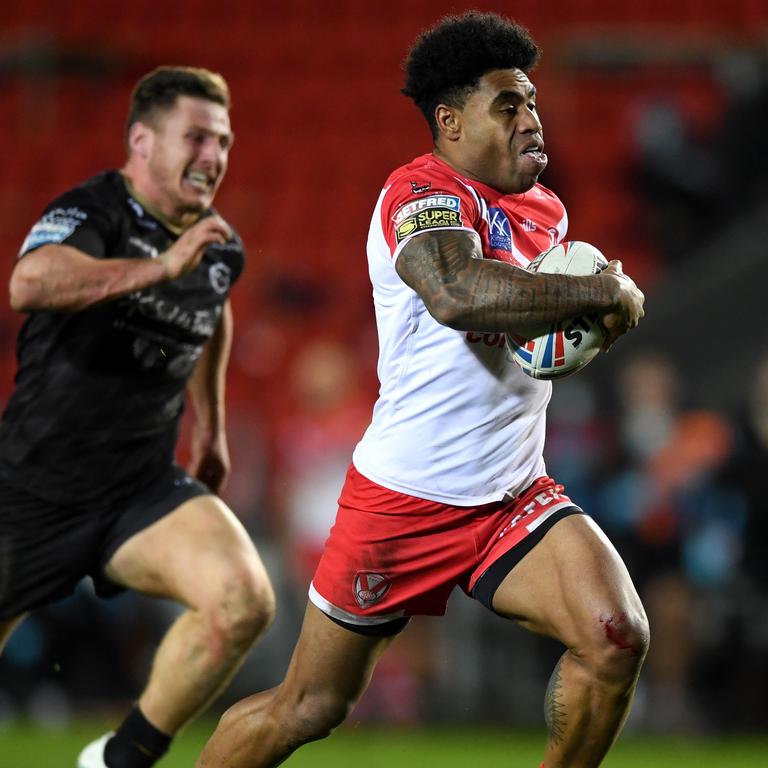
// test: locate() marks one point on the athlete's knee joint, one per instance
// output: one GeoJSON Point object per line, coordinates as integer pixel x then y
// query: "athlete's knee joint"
{"type": "Point", "coordinates": [615, 646]}
{"type": "Point", "coordinates": [319, 713]}
{"type": "Point", "coordinates": [240, 610]}
{"type": "Point", "coordinates": [627, 631]}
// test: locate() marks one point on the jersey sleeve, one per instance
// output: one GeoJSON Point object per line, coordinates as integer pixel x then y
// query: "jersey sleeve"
{"type": "Point", "coordinates": [413, 206]}
{"type": "Point", "coordinates": [75, 218]}
{"type": "Point", "coordinates": [231, 257]}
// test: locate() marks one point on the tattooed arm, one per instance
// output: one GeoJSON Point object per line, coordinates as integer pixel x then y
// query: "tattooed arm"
{"type": "Point", "coordinates": [466, 292]}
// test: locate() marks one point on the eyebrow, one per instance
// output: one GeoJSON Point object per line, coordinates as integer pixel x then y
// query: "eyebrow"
{"type": "Point", "coordinates": [211, 132]}
{"type": "Point", "coordinates": [516, 95]}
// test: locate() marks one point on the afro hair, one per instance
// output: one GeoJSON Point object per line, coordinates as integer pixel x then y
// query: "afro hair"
{"type": "Point", "coordinates": [447, 60]}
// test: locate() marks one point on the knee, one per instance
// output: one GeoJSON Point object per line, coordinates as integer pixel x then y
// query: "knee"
{"type": "Point", "coordinates": [319, 713]}
{"type": "Point", "coordinates": [613, 649]}
{"type": "Point", "coordinates": [284, 718]}
{"type": "Point", "coordinates": [239, 611]}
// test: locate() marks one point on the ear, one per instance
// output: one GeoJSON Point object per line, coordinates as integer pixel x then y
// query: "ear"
{"type": "Point", "coordinates": [140, 137]}
{"type": "Point", "coordinates": [449, 122]}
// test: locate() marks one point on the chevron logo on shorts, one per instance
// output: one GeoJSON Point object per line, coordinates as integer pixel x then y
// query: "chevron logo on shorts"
{"type": "Point", "coordinates": [370, 587]}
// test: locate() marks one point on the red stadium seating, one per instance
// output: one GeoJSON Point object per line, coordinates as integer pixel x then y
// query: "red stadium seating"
{"type": "Point", "coordinates": [319, 120]}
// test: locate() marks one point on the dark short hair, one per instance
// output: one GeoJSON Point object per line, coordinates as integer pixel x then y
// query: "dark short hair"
{"type": "Point", "coordinates": [447, 60]}
{"type": "Point", "coordinates": [158, 91]}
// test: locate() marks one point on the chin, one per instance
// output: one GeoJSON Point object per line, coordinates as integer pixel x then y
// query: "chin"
{"type": "Point", "coordinates": [197, 206]}
{"type": "Point", "coordinates": [524, 184]}
{"type": "Point", "coordinates": [517, 188]}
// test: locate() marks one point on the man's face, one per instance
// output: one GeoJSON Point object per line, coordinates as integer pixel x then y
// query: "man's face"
{"type": "Point", "coordinates": [500, 141]}
{"type": "Point", "coordinates": [186, 156]}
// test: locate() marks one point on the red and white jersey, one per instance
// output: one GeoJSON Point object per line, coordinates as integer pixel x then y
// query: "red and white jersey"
{"type": "Point", "coordinates": [456, 420]}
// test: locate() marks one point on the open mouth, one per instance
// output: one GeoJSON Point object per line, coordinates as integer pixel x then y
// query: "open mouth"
{"type": "Point", "coordinates": [200, 180]}
{"type": "Point", "coordinates": [535, 152]}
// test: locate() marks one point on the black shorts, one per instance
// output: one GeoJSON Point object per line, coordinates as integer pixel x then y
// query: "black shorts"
{"type": "Point", "coordinates": [45, 548]}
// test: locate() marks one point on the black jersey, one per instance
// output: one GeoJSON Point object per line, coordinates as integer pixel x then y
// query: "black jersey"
{"type": "Point", "coordinates": [99, 393]}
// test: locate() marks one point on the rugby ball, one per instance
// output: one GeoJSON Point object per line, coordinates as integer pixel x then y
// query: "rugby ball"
{"type": "Point", "coordinates": [570, 345]}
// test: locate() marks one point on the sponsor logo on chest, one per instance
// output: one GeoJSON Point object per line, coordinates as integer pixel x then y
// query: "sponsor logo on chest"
{"type": "Point", "coordinates": [499, 230]}
{"type": "Point", "coordinates": [220, 276]}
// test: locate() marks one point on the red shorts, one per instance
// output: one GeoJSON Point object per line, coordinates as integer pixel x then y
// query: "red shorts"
{"type": "Point", "coordinates": [390, 555]}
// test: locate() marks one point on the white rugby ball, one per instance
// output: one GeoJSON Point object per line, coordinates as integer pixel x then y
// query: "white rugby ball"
{"type": "Point", "coordinates": [570, 345]}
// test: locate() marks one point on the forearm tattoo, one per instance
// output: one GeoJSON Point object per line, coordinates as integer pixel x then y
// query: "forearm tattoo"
{"type": "Point", "coordinates": [468, 292]}
{"type": "Point", "coordinates": [554, 706]}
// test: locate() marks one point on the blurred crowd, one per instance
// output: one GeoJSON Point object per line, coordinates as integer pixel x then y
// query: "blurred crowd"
{"type": "Point", "coordinates": [677, 489]}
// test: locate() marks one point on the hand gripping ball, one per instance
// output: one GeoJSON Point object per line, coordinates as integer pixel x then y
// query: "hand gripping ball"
{"type": "Point", "coordinates": [570, 345]}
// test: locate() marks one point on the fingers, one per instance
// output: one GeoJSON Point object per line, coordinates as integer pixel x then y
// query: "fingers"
{"type": "Point", "coordinates": [212, 229]}
{"type": "Point", "coordinates": [187, 252]}
{"type": "Point", "coordinates": [614, 327]}
{"type": "Point", "coordinates": [618, 323]}
{"type": "Point", "coordinates": [217, 225]}
{"type": "Point", "coordinates": [628, 311]}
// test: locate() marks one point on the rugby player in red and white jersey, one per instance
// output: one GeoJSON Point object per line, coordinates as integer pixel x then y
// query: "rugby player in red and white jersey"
{"type": "Point", "coordinates": [448, 486]}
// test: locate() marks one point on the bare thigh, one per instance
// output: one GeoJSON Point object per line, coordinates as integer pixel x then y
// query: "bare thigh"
{"type": "Point", "coordinates": [199, 548]}
{"type": "Point", "coordinates": [572, 584]}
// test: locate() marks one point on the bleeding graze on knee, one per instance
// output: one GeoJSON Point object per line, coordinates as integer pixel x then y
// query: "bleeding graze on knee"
{"type": "Point", "coordinates": [617, 645]}
{"type": "Point", "coordinates": [626, 634]}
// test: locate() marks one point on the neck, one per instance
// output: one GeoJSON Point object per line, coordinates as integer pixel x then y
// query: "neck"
{"type": "Point", "coordinates": [456, 165]}
{"type": "Point", "coordinates": [175, 222]}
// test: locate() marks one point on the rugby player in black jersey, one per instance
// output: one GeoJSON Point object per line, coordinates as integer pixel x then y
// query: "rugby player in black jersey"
{"type": "Point", "coordinates": [125, 281]}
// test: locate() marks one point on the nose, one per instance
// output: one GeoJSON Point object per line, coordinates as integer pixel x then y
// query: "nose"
{"type": "Point", "coordinates": [529, 121]}
{"type": "Point", "coordinates": [210, 152]}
